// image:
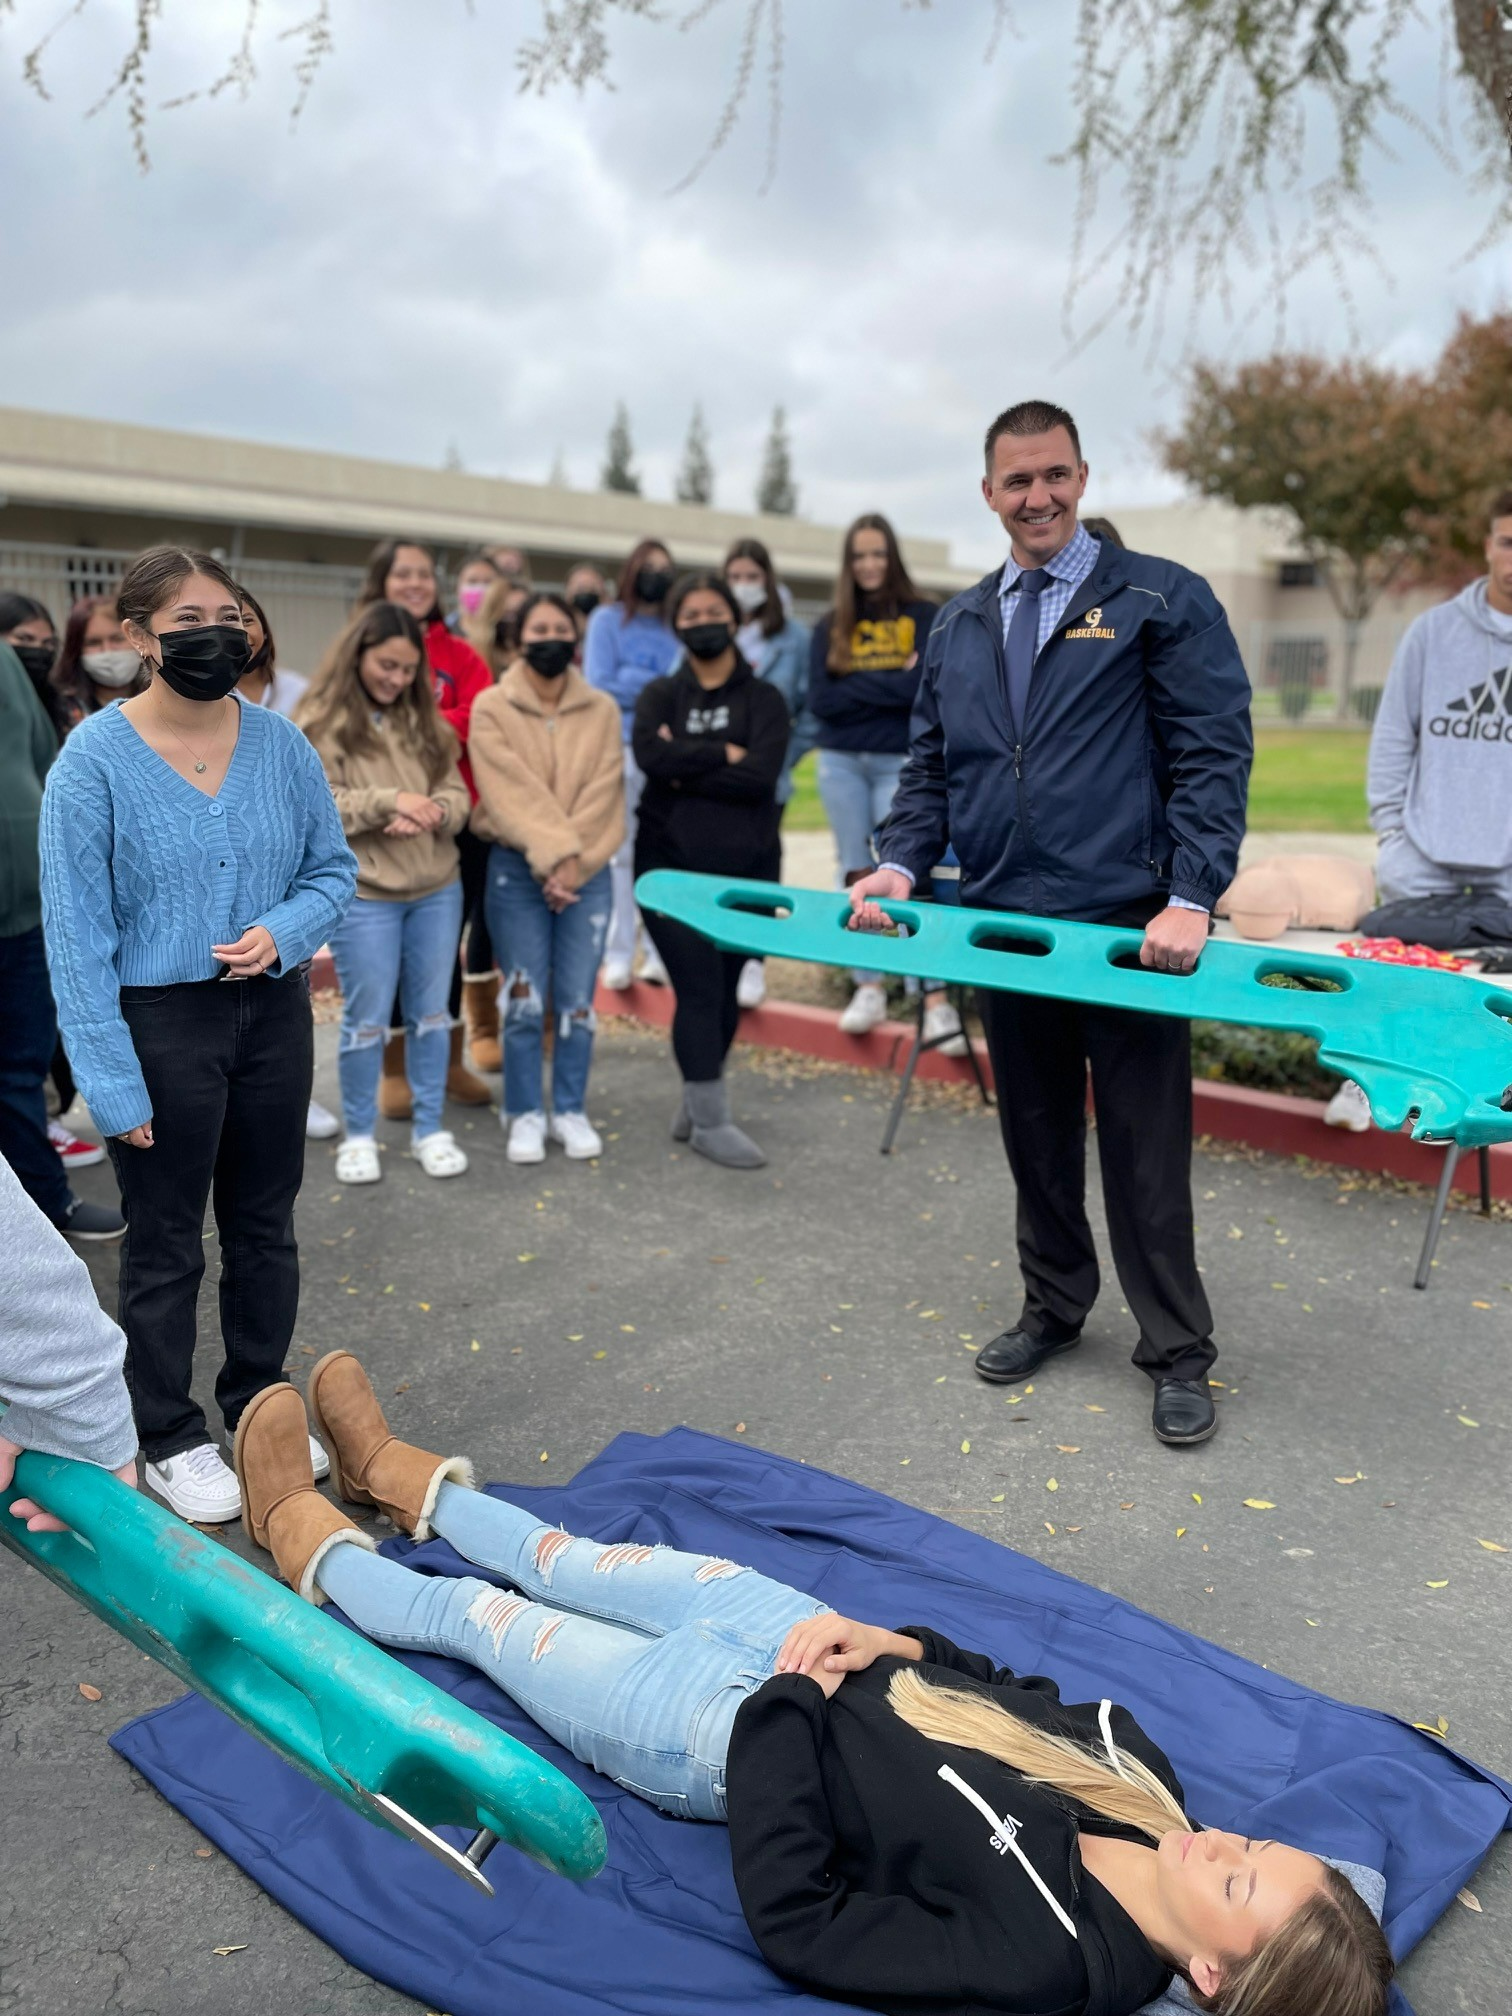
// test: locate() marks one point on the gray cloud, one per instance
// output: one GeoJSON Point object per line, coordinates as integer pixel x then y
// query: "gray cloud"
{"type": "Point", "coordinates": [430, 257]}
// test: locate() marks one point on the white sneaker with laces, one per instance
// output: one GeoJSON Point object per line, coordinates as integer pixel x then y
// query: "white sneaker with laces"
{"type": "Point", "coordinates": [616, 974]}
{"type": "Point", "coordinates": [320, 1463]}
{"type": "Point", "coordinates": [943, 1020]}
{"type": "Point", "coordinates": [74, 1153]}
{"type": "Point", "coordinates": [578, 1136]}
{"type": "Point", "coordinates": [198, 1485]}
{"type": "Point", "coordinates": [439, 1155]}
{"type": "Point", "coordinates": [652, 971]}
{"type": "Point", "coordinates": [868, 1007]}
{"type": "Point", "coordinates": [321, 1123]}
{"type": "Point", "coordinates": [527, 1138]}
{"type": "Point", "coordinates": [1348, 1108]}
{"type": "Point", "coordinates": [357, 1160]}
{"type": "Point", "coordinates": [750, 988]}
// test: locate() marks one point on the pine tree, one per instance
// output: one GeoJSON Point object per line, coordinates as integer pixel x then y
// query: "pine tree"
{"type": "Point", "coordinates": [776, 492]}
{"type": "Point", "coordinates": [558, 478]}
{"type": "Point", "coordinates": [619, 471]}
{"type": "Point", "coordinates": [695, 479]}
{"type": "Point", "coordinates": [452, 461]}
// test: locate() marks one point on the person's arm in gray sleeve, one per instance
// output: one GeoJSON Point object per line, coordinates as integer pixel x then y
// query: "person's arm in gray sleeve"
{"type": "Point", "coordinates": [1394, 735]}
{"type": "Point", "coordinates": [60, 1354]}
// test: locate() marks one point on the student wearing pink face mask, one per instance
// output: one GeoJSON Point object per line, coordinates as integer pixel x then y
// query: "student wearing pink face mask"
{"type": "Point", "coordinates": [475, 577]}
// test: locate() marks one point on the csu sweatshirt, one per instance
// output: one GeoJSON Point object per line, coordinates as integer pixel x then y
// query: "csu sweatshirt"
{"type": "Point", "coordinates": [880, 1867]}
{"type": "Point", "coordinates": [1441, 750]}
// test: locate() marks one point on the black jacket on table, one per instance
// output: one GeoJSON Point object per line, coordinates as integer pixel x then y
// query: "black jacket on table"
{"type": "Point", "coordinates": [698, 810]}
{"type": "Point", "coordinates": [880, 1867]}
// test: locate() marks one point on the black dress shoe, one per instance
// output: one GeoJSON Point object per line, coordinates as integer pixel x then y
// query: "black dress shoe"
{"type": "Point", "coordinates": [1015, 1355]}
{"type": "Point", "coordinates": [1184, 1411]}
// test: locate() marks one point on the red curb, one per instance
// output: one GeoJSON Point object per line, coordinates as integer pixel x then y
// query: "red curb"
{"type": "Point", "coordinates": [1274, 1121]}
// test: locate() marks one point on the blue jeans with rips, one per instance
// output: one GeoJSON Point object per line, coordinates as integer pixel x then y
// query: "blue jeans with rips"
{"type": "Point", "coordinates": [545, 953]}
{"type": "Point", "coordinates": [412, 945]}
{"type": "Point", "coordinates": [634, 1658]}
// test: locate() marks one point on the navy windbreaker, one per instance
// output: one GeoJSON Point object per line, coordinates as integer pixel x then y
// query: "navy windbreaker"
{"type": "Point", "coordinates": [1129, 783]}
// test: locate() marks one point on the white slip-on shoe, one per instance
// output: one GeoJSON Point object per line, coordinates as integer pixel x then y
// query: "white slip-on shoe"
{"type": "Point", "coordinates": [750, 988]}
{"type": "Point", "coordinates": [527, 1138]}
{"type": "Point", "coordinates": [944, 1021]}
{"type": "Point", "coordinates": [616, 974]}
{"type": "Point", "coordinates": [321, 1123]}
{"type": "Point", "coordinates": [197, 1484]}
{"type": "Point", "coordinates": [357, 1160]}
{"type": "Point", "coordinates": [578, 1136]}
{"type": "Point", "coordinates": [1348, 1108]}
{"type": "Point", "coordinates": [439, 1155]}
{"type": "Point", "coordinates": [868, 1007]}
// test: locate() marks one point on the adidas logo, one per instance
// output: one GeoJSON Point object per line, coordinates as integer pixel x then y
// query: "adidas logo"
{"type": "Point", "coordinates": [1484, 715]}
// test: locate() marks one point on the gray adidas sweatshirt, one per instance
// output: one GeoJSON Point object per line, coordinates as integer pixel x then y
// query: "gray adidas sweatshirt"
{"type": "Point", "coordinates": [1441, 750]}
{"type": "Point", "coordinates": [60, 1354]}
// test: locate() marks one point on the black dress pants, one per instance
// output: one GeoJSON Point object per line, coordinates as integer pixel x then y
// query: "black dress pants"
{"type": "Point", "coordinates": [228, 1066]}
{"type": "Point", "coordinates": [704, 980]}
{"type": "Point", "coordinates": [1142, 1092]}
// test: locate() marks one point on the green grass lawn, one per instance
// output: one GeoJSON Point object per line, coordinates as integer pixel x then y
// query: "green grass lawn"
{"type": "Point", "coordinates": [1306, 780]}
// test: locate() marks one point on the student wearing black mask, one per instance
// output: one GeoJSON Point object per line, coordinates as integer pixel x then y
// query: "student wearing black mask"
{"type": "Point", "coordinates": [711, 739]}
{"type": "Point", "coordinates": [27, 626]}
{"type": "Point", "coordinates": [192, 863]}
{"type": "Point", "coordinates": [585, 588]}
{"type": "Point", "coordinates": [629, 644]}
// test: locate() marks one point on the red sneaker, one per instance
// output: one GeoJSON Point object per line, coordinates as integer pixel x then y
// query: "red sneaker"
{"type": "Point", "coordinates": [74, 1153]}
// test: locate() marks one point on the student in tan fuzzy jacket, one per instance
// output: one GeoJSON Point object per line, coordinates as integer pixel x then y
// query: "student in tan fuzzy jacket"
{"type": "Point", "coordinates": [547, 762]}
{"type": "Point", "coordinates": [391, 761]}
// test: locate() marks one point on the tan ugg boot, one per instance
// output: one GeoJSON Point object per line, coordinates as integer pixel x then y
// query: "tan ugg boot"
{"type": "Point", "coordinates": [281, 1509]}
{"type": "Point", "coordinates": [369, 1465]}
{"type": "Point", "coordinates": [395, 1101]}
{"type": "Point", "coordinates": [464, 1087]}
{"type": "Point", "coordinates": [480, 1013]}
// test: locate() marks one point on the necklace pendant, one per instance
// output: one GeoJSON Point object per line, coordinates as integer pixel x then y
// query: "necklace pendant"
{"type": "Point", "coordinates": [198, 769]}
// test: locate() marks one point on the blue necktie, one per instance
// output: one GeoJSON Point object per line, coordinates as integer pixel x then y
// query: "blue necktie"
{"type": "Point", "coordinates": [1019, 646]}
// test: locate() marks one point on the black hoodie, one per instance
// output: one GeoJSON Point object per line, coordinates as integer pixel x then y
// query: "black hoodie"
{"type": "Point", "coordinates": [886, 1869]}
{"type": "Point", "coordinates": [699, 810]}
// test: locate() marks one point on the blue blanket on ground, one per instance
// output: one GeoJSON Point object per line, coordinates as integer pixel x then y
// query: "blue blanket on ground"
{"type": "Point", "coordinates": [661, 1930]}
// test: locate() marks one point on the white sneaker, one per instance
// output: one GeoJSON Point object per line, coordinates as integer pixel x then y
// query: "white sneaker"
{"type": "Point", "coordinates": [615, 973]}
{"type": "Point", "coordinates": [943, 1021]}
{"type": "Point", "coordinates": [198, 1485]}
{"type": "Point", "coordinates": [750, 988]}
{"type": "Point", "coordinates": [320, 1463]}
{"type": "Point", "coordinates": [357, 1160]}
{"type": "Point", "coordinates": [1348, 1108]}
{"type": "Point", "coordinates": [578, 1136]}
{"type": "Point", "coordinates": [652, 971]}
{"type": "Point", "coordinates": [321, 1123]}
{"type": "Point", "coordinates": [439, 1155]}
{"type": "Point", "coordinates": [868, 1007]}
{"type": "Point", "coordinates": [527, 1138]}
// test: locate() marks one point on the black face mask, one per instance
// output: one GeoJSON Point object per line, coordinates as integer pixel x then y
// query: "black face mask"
{"type": "Point", "coordinates": [585, 601]}
{"type": "Point", "coordinates": [653, 584]}
{"type": "Point", "coordinates": [706, 640]}
{"type": "Point", "coordinates": [38, 661]}
{"type": "Point", "coordinates": [550, 656]}
{"type": "Point", "coordinates": [206, 662]}
{"type": "Point", "coordinates": [261, 660]}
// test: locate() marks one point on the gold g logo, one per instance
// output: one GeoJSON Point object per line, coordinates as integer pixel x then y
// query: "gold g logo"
{"type": "Point", "coordinates": [1092, 618]}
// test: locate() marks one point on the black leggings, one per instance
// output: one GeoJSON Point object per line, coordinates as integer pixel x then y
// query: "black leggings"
{"type": "Point", "coordinates": [703, 979]}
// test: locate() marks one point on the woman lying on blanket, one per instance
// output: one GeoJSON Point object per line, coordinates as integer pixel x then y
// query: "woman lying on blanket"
{"type": "Point", "coordinates": [912, 1828]}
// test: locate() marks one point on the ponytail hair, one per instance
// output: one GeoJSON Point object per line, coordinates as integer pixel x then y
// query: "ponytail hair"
{"type": "Point", "coordinates": [1330, 1957]}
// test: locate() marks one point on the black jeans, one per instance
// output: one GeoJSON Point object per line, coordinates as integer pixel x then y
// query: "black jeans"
{"type": "Point", "coordinates": [704, 980]}
{"type": "Point", "coordinates": [28, 1034]}
{"type": "Point", "coordinates": [227, 1065]}
{"type": "Point", "coordinates": [1142, 1092]}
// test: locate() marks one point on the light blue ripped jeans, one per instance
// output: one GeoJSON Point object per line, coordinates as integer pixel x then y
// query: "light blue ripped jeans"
{"type": "Point", "coordinates": [377, 946]}
{"type": "Point", "coordinates": [634, 1658]}
{"type": "Point", "coordinates": [545, 954]}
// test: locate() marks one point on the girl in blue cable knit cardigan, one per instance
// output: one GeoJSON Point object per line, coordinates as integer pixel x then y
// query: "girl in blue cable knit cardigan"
{"type": "Point", "coordinates": [192, 862]}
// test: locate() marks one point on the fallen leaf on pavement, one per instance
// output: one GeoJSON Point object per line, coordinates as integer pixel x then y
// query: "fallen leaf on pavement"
{"type": "Point", "coordinates": [1196, 1497]}
{"type": "Point", "coordinates": [965, 1448]}
{"type": "Point", "coordinates": [1465, 1421]}
{"type": "Point", "coordinates": [1260, 1504]}
{"type": "Point", "coordinates": [1468, 1898]}
{"type": "Point", "coordinates": [90, 1693]}
{"type": "Point", "coordinates": [1181, 1532]}
{"type": "Point", "coordinates": [1093, 1410]}
{"type": "Point", "coordinates": [1491, 1546]}
{"type": "Point", "coordinates": [1127, 1506]}
{"type": "Point", "coordinates": [222, 1951]}
{"type": "Point", "coordinates": [204, 1854]}
{"type": "Point", "coordinates": [1440, 1727]}
{"type": "Point", "coordinates": [1069, 1448]}
{"type": "Point", "coordinates": [999, 1497]}
{"type": "Point", "coordinates": [1048, 1527]}
{"type": "Point", "coordinates": [1052, 1484]}
{"type": "Point", "coordinates": [545, 1455]}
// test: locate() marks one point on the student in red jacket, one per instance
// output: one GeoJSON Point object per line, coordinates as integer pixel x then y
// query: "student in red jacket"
{"type": "Point", "coordinates": [403, 571]}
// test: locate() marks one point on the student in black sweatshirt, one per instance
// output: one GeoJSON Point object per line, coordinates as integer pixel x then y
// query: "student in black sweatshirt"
{"type": "Point", "coordinates": [711, 739]}
{"type": "Point", "coordinates": [914, 1829]}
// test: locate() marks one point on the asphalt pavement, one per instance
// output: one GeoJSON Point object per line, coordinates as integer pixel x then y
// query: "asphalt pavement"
{"type": "Point", "coordinates": [828, 1308]}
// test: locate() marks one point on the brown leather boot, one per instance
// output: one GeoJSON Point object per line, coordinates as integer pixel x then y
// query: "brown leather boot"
{"type": "Point", "coordinates": [369, 1466]}
{"type": "Point", "coordinates": [480, 1014]}
{"type": "Point", "coordinates": [464, 1087]}
{"type": "Point", "coordinates": [281, 1509]}
{"type": "Point", "coordinates": [395, 1101]}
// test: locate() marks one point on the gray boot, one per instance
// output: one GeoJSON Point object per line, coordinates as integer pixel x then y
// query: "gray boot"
{"type": "Point", "coordinates": [714, 1133]}
{"type": "Point", "coordinates": [682, 1126]}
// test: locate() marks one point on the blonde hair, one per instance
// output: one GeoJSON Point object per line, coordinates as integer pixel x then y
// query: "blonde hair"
{"type": "Point", "coordinates": [1330, 1958]}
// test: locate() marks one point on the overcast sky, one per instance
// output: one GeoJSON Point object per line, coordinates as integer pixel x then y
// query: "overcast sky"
{"type": "Point", "coordinates": [430, 258]}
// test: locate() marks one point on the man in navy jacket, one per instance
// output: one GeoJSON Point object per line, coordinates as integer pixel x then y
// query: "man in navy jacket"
{"type": "Point", "coordinates": [1082, 739]}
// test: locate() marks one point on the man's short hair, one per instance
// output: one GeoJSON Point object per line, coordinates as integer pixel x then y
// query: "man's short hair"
{"type": "Point", "coordinates": [1501, 505]}
{"type": "Point", "coordinates": [1031, 416]}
